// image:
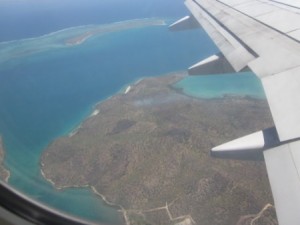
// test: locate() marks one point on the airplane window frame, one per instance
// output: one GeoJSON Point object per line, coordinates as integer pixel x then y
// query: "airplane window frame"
{"type": "Point", "coordinates": [30, 210]}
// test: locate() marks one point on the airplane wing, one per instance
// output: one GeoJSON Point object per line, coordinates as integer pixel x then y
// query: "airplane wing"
{"type": "Point", "coordinates": [263, 36]}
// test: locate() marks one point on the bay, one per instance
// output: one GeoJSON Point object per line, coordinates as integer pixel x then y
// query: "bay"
{"type": "Point", "coordinates": [218, 86]}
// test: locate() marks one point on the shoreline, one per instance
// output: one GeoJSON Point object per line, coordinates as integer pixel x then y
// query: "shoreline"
{"type": "Point", "coordinates": [163, 23]}
{"type": "Point", "coordinates": [94, 112]}
{"type": "Point", "coordinates": [70, 37]}
{"type": "Point", "coordinates": [132, 89]}
{"type": "Point", "coordinates": [224, 96]}
{"type": "Point", "coordinates": [129, 87]}
{"type": "Point", "coordinates": [119, 208]}
{"type": "Point", "coordinates": [116, 207]}
{"type": "Point", "coordinates": [4, 172]}
{"type": "Point", "coordinates": [174, 78]}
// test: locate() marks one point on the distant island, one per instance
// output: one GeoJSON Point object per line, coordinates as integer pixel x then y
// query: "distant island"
{"type": "Point", "coordinates": [114, 27]}
{"type": "Point", "coordinates": [4, 173]}
{"type": "Point", "coordinates": [68, 37]}
{"type": "Point", "coordinates": [146, 152]}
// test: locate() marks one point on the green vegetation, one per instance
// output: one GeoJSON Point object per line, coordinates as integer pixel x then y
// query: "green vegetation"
{"type": "Point", "coordinates": [148, 151]}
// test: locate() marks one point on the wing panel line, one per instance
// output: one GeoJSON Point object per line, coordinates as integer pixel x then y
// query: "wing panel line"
{"type": "Point", "coordinates": [282, 33]}
{"type": "Point", "coordinates": [250, 50]}
{"type": "Point", "coordinates": [281, 3]}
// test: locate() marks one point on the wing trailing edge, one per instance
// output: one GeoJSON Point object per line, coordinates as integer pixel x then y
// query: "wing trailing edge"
{"type": "Point", "coordinates": [235, 51]}
{"type": "Point", "coordinates": [283, 166]}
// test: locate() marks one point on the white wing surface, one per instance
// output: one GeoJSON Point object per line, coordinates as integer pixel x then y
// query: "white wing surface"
{"type": "Point", "coordinates": [264, 35]}
{"type": "Point", "coordinates": [283, 164]}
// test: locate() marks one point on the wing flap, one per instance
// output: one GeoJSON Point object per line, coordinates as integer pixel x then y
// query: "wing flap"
{"type": "Point", "coordinates": [283, 169]}
{"type": "Point", "coordinates": [231, 48]}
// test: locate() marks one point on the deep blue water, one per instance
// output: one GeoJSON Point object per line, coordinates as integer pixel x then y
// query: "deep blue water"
{"type": "Point", "coordinates": [47, 94]}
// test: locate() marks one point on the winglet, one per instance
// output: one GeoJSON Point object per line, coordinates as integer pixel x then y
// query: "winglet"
{"type": "Point", "coordinates": [185, 23]}
{"type": "Point", "coordinates": [215, 64]}
{"type": "Point", "coordinates": [248, 147]}
{"type": "Point", "coordinates": [251, 141]}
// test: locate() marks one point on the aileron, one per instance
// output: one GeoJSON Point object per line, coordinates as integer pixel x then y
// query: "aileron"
{"type": "Point", "coordinates": [231, 48]}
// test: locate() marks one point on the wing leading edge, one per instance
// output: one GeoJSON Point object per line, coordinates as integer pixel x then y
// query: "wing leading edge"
{"type": "Point", "coordinates": [263, 35]}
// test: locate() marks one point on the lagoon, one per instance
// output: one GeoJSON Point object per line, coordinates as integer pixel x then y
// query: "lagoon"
{"type": "Point", "coordinates": [218, 86]}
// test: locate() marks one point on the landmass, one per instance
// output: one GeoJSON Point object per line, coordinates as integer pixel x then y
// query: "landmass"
{"type": "Point", "coordinates": [114, 27]}
{"type": "Point", "coordinates": [146, 152]}
{"type": "Point", "coordinates": [68, 38]}
{"type": "Point", "coordinates": [4, 173]}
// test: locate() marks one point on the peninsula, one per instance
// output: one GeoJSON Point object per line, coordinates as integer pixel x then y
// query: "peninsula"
{"type": "Point", "coordinates": [146, 152]}
{"type": "Point", "coordinates": [4, 173]}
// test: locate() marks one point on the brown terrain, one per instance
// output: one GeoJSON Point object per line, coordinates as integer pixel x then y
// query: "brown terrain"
{"type": "Point", "coordinates": [147, 152]}
{"type": "Point", "coordinates": [4, 174]}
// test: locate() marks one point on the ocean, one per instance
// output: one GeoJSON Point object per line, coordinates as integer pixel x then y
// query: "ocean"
{"type": "Point", "coordinates": [47, 92]}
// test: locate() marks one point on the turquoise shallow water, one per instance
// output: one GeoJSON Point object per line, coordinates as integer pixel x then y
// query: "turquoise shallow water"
{"type": "Point", "coordinates": [217, 86]}
{"type": "Point", "coordinates": [46, 94]}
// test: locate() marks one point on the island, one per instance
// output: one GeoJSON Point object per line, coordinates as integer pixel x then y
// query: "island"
{"type": "Point", "coordinates": [69, 37]}
{"type": "Point", "coordinates": [4, 173]}
{"type": "Point", "coordinates": [114, 27]}
{"type": "Point", "coordinates": [146, 152]}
